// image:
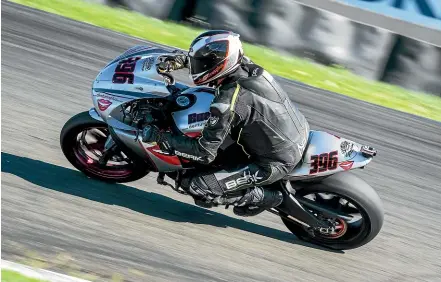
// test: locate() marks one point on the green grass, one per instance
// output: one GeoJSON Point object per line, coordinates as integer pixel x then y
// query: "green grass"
{"type": "Point", "coordinates": [334, 79]}
{"type": "Point", "coordinates": [12, 276]}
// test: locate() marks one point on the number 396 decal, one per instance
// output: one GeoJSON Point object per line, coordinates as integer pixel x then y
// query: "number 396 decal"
{"type": "Point", "coordinates": [124, 71]}
{"type": "Point", "coordinates": [324, 162]}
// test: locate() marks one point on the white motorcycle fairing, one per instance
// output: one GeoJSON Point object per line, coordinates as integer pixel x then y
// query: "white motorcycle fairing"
{"type": "Point", "coordinates": [326, 154]}
{"type": "Point", "coordinates": [133, 76]}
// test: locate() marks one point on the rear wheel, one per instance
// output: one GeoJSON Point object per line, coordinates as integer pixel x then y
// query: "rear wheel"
{"type": "Point", "coordinates": [83, 141]}
{"type": "Point", "coordinates": [349, 195]}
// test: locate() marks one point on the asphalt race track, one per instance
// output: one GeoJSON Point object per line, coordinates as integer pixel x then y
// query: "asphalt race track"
{"type": "Point", "coordinates": [54, 217]}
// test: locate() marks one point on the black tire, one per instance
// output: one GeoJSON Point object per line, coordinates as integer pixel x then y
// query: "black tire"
{"type": "Point", "coordinates": [359, 193]}
{"type": "Point", "coordinates": [68, 140]}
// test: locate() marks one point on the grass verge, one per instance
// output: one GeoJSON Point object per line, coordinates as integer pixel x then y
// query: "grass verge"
{"type": "Point", "coordinates": [12, 276]}
{"type": "Point", "coordinates": [332, 79]}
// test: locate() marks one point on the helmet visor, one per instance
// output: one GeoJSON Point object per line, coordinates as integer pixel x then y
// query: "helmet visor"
{"type": "Point", "coordinates": [208, 57]}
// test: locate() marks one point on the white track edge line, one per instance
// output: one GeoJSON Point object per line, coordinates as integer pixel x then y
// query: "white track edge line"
{"type": "Point", "coordinates": [36, 273]}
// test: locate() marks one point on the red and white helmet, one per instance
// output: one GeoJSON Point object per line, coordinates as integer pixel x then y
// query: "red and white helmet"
{"type": "Point", "coordinates": [213, 55]}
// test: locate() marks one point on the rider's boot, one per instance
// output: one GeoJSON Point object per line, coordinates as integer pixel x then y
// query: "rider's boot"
{"type": "Point", "coordinates": [197, 188]}
{"type": "Point", "coordinates": [257, 200]}
{"type": "Point", "coordinates": [250, 202]}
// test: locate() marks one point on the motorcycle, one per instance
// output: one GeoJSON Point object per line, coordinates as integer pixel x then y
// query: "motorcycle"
{"type": "Point", "coordinates": [323, 202]}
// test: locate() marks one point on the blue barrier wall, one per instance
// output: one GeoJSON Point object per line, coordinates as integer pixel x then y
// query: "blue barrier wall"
{"type": "Point", "coordinates": [421, 12]}
{"type": "Point", "coordinates": [403, 51]}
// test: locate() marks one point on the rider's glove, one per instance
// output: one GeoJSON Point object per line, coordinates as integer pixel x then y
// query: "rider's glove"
{"type": "Point", "coordinates": [172, 63]}
{"type": "Point", "coordinates": [151, 133]}
{"type": "Point", "coordinates": [181, 60]}
{"type": "Point", "coordinates": [165, 66]}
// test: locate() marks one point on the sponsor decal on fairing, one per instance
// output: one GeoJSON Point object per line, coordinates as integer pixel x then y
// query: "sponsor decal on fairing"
{"type": "Point", "coordinates": [201, 117]}
{"type": "Point", "coordinates": [161, 152]}
{"type": "Point", "coordinates": [183, 101]}
{"type": "Point", "coordinates": [346, 165]}
{"type": "Point", "coordinates": [103, 104]}
{"type": "Point", "coordinates": [347, 148]}
{"type": "Point", "coordinates": [148, 63]}
{"type": "Point", "coordinates": [106, 96]}
{"type": "Point", "coordinates": [188, 156]}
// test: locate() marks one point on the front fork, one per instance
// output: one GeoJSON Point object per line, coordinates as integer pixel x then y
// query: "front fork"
{"type": "Point", "coordinates": [109, 151]}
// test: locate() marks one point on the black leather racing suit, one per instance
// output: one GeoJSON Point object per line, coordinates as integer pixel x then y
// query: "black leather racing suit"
{"type": "Point", "coordinates": [252, 107]}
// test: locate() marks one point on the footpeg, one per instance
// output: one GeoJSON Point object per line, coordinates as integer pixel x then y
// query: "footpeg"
{"type": "Point", "coordinates": [161, 181]}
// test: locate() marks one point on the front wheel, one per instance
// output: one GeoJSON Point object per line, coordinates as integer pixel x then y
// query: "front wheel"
{"type": "Point", "coordinates": [349, 195]}
{"type": "Point", "coordinates": [83, 141]}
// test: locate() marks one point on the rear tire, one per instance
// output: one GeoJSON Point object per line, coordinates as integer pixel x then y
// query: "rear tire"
{"type": "Point", "coordinates": [356, 191]}
{"type": "Point", "coordinates": [134, 170]}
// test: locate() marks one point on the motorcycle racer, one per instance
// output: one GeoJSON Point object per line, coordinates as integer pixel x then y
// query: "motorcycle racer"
{"type": "Point", "coordinates": [250, 106]}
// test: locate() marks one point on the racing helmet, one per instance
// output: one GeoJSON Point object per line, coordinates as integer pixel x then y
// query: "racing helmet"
{"type": "Point", "coordinates": [213, 55]}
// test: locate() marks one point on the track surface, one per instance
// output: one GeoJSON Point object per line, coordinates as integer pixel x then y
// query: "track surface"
{"type": "Point", "coordinates": [144, 232]}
